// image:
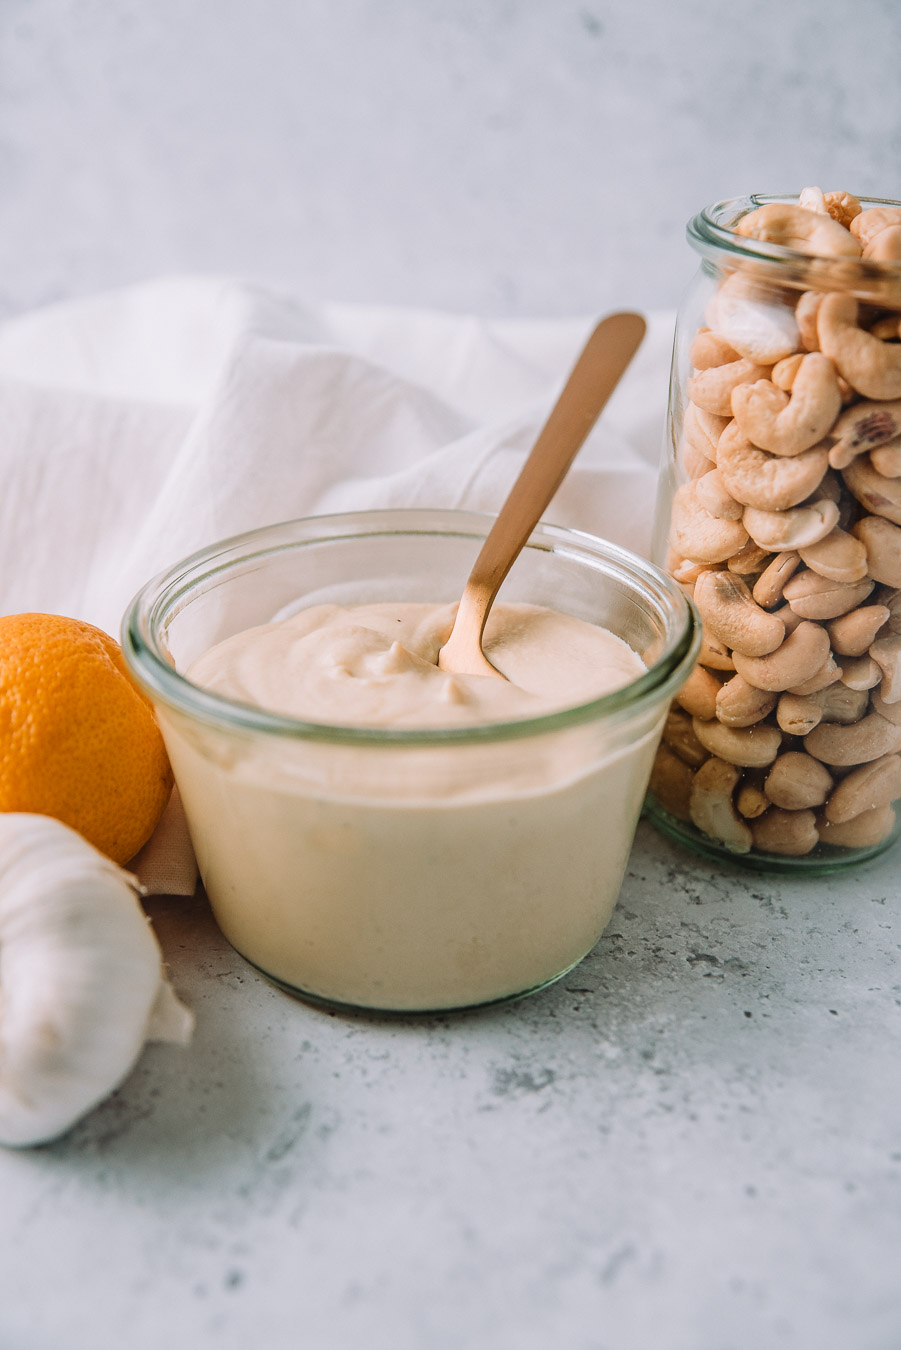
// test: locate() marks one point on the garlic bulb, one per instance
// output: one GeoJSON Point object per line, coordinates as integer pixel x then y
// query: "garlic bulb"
{"type": "Point", "coordinates": [81, 980]}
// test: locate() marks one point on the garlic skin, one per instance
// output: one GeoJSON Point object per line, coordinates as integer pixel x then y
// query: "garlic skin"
{"type": "Point", "coordinates": [81, 979]}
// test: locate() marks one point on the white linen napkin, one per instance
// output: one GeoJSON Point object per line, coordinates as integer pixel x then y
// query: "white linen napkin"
{"type": "Point", "coordinates": [140, 425]}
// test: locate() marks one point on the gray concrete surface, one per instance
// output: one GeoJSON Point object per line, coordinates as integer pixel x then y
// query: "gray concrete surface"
{"type": "Point", "coordinates": [693, 1140]}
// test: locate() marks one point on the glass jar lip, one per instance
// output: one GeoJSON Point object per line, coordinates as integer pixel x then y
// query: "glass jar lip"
{"type": "Point", "coordinates": [167, 593]}
{"type": "Point", "coordinates": [711, 233]}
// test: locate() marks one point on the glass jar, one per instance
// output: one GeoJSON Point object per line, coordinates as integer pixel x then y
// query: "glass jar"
{"type": "Point", "coordinates": [408, 870]}
{"type": "Point", "coordinates": [780, 513]}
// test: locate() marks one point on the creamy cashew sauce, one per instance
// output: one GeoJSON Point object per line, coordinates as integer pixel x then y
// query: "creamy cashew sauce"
{"type": "Point", "coordinates": [376, 665]}
{"type": "Point", "coordinates": [414, 877]}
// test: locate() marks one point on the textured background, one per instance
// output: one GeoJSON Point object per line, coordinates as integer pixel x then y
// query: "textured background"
{"type": "Point", "coordinates": [694, 1141]}
{"type": "Point", "coordinates": [507, 156]}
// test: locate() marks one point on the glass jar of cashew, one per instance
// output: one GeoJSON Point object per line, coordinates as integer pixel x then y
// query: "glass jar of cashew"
{"type": "Point", "coordinates": [779, 513]}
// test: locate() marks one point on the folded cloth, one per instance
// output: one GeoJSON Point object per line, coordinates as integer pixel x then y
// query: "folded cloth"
{"type": "Point", "coordinates": [166, 864]}
{"type": "Point", "coordinates": [143, 424]}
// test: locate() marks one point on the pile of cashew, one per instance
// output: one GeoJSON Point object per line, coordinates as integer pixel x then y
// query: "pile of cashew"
{"type": "Point", "coordinates": [786, 530]}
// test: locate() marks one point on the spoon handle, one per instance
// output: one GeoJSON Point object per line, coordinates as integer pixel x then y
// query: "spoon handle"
{"type": "Point", "coordinates": [595, 375]}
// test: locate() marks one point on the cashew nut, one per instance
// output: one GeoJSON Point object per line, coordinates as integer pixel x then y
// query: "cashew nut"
{"type": "Point", "coordinates": [795, 528]}
{"type": "Point", "coordinates": [712, 389]}
{"type": "Point", "coordinates": [711, 807]}
{"type": "Point", "coordinates": [841, 704]}
{"type": "Point", "coordinates": [828, 673]}
{"type": "Point", "coordinates": [789, 832]}
{"type": "Point", "coordinates": [694, 461]}
{"type": "Point", "coordinates": [882, 543]}
{"type": "Point", "coordinates": [699, 693]}
{"type": "Point", "coordinates": [759, 328]}
{"type": "Point", "coordinates": [749, 746]}
{"type": "Point", "coordinates": [749, 560]}
{"type": "Point", "coordinates": [842, 206]}
{"type": "Point", "coordinates": [751, 800]}
{"type": "Point", "coordinates": [816, 597]}
{"type": "Point", "coordinates": [670, 783]}
{"type": "Point", "coordinates": [713, 425]}
{"type": "Point", "coordinates": [771, 583]}
{"type": "Point", "coordinates": [886, 652]}
{"type": "Point", "coordinates": [706, 427]}
{"type": "Point", "coordinates": [683, 570]}
{"type": "Point", "coordinates": [728, 611]}
{"type": "Point", "coordinates": [865, 830]}
{"type": "Point", "coordinates": [863, 427]}
{"type": "Point", "coordinates": [890, 711]}
{"type": "Point", "coordinates": [786, 424]}
{"type": "Point", "coordinates": [891, 598]}
{"type": "Point", "coordinates": [870, 366]}
{"type": "Point", "coordinates": [858, 743]}
{"type": "Point", "coordinates": [764, 481]}
{"type": "Point", "coordinates": [700, 536]}
{"type": "Point", "coordinates": [880, 495]}
{"type": "Point", "coordinates": [868, 224]}
{"type": "Point", "coordinates": [789, 618]}
{"type": "Point", "coordinates": [795, 227]}
{"type": "Point", "coordinates": [714, 653]}
{"type": "Point", "coordinates": [713, 494]}
{"type": "Point", "coordinates": [709, 349]}
{"type": "Point", "coordinates": [697, 534]}
{"type": "Point", "coordinates": [796, 781]}
{"type": "Point", "coordinates": [812, 199]}
{"type": "Point", "coordinates": [888, 327]}
{"type": "Point", "coordinates": [859, 672]}
{"type": "Point", "coordinates": [865, 789]}
{"type": "Point", "coordinates": [678, 734]}
{"type": "Point", "coordinates": [801, 656]}
{"type": "Point", "coordinates": [824, 678]}
{"type": "Point", "coordinates": [886, 459]}
{"type": "Point", "coordinates": [739, 704]}
{"type": "Point", "coordinates": [784, 371]}
{"type": "Point", "coordinates": [851, 634]}
{"type": "Point", "coordinates": [806, 312]}
{"type": "Point", "coordinates": [797, 714]}
{"type": "Point", "coordinates": [885, 247]}
{"type": "Point", "coordinates": [838, 557]}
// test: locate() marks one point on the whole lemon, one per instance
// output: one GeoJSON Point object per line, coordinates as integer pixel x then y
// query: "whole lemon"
{"type": "Point", "coordinates": [78, 739]}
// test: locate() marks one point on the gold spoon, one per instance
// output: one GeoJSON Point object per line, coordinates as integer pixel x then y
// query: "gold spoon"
{"type": "Point", "coordinates": [593, 379]}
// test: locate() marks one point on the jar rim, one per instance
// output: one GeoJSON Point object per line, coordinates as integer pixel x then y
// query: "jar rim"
{"type": "Point", "coordinates": [711, 233]}
{"type": "Point", "coordinates": [168, 593]}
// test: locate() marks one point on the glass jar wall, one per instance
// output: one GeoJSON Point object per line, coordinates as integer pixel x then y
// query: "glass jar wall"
{"type": "Point", "coordinates": [780, 514]}
{"type": "Point", "coordinates": [398, 868]}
